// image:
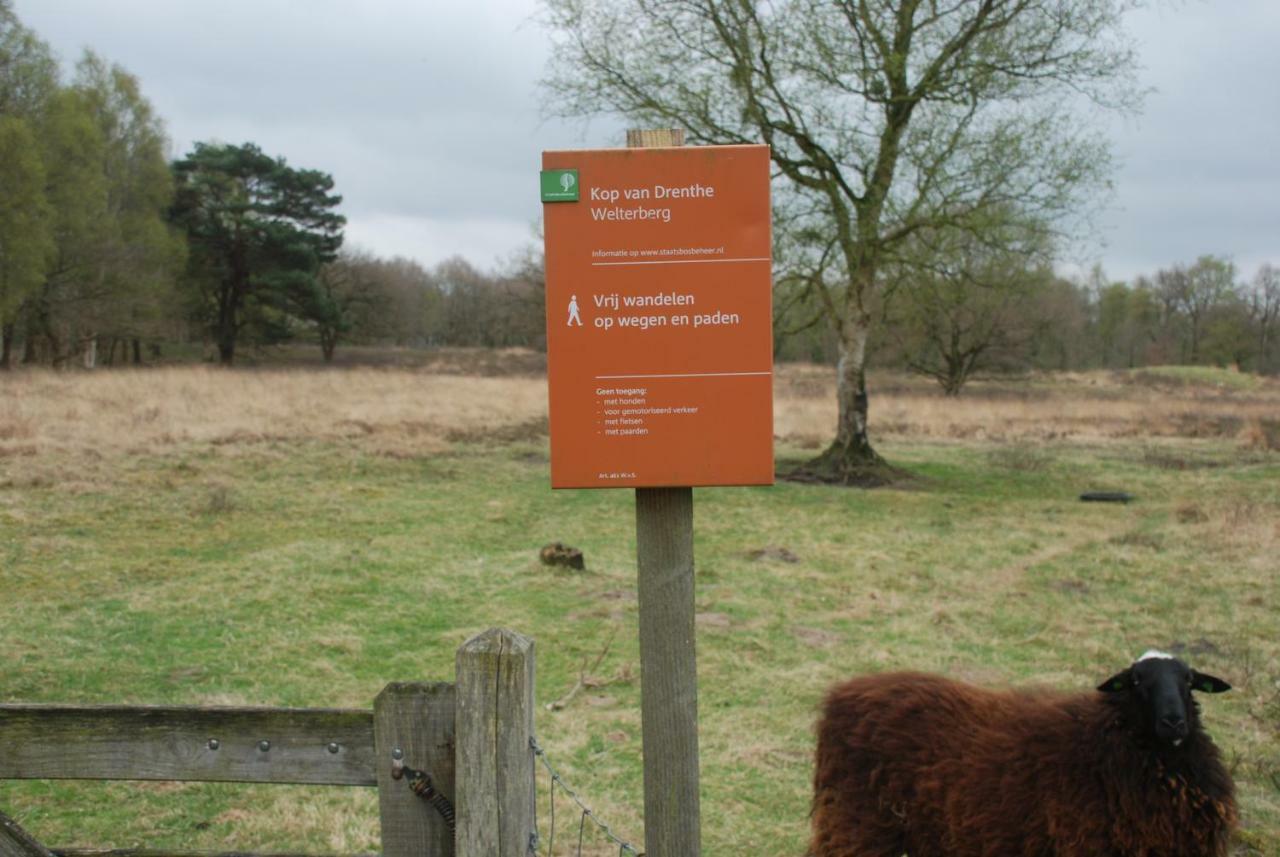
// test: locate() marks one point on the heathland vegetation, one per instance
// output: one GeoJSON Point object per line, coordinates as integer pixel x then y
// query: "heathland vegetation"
{"type": "Point", "coordinates": [189, 535]}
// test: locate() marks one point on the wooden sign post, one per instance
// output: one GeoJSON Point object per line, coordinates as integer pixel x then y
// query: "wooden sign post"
{"type": "Point", "coordinates": [660, 370]}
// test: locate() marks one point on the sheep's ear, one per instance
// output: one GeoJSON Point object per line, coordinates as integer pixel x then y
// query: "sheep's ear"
{"type": "Point", "coordinates": [1208, 684]}
{"type": "Point", "coordinates": [1118, 682]}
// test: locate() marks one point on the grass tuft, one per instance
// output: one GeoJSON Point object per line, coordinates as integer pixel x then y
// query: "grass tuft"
{"type": "Point", "coordinates": [220, 500]}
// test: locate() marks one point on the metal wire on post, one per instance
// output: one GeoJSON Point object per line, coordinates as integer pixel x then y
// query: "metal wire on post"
{"type": "Point", "coordinates": [624, 847]}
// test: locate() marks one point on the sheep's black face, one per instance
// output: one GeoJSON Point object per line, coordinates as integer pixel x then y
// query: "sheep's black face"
{"type": "Point", "coordinates": [1160, 687]}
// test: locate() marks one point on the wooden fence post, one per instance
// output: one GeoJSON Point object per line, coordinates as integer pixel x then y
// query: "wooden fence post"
{"type": "Point", "coordinates": [495, 804]}
{"type": "Point", "coordinates": [418, 721]}
{"type": "Point", "coordinates": [668, 659]}
{"type": "Point", "coordinates": [668, 671]}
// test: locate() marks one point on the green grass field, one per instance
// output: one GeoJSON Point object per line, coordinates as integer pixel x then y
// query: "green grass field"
{"type": "Point", "coordinates": [310, 568]}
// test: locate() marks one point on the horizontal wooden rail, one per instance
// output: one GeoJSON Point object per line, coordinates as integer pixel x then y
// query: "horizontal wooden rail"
{"type": "Point", "coordinates": [314, 746]}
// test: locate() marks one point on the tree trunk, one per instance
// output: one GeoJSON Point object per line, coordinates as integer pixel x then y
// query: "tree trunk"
{"type": "Point", "coordinates": [30, 351]}
{"type": "Point", "coordinates": [850, 460]}
{"type": "Point", "coordinates": [6, 346]}
{"type": "Point", "coordinates": [231, 295]}
{"type": "Point", "coordinates": [56, 356]}
{"type": "Point", "coordinates": [226, 332]}
{"type": "Point", "coordinates": [328, 343]}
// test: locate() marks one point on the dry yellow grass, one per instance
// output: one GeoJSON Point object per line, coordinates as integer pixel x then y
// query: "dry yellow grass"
{"type": "Point", "coordinates": [1082, 407]}
{"type": "Point", "coordinates": [413, 411]}
{"type": "Point", "coordinates": [393, 411]}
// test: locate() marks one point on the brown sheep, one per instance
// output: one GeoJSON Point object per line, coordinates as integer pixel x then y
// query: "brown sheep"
{"type": "Point", "coordinates": [909, 763]}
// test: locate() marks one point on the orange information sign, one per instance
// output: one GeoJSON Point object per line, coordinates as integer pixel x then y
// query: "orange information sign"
{"type": "Point", "coordinates": [659, 316]}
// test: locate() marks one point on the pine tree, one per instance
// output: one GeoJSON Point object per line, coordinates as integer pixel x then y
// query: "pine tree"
{"type": "Point", "coordinates": [258, 231]}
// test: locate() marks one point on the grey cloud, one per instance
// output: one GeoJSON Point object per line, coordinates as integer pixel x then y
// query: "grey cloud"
{"type": "Point", "coordinates": [426, 113]}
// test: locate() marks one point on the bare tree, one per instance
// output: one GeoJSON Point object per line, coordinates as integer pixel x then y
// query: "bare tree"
{"type": "Point", "coordinates": [884, 117]}
{"type": "Point", "coordinates": [344, 295]}
{"type": "Point", "coordinates": [964, 305]}
{"type": "Point", "coordinates": [1194, 293]}
{"type": "Point", "coordinates": [1264, 309]}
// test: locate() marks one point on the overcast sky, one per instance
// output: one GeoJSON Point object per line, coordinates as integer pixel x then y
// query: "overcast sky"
{"type": "Point", "coordinates": [426, 112]}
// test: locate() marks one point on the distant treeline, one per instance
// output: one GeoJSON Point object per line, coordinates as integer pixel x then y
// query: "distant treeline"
{"type": "Point", "coordinates": [1204, 312]}
{"type": "Point", "coordinates": [110, 254]}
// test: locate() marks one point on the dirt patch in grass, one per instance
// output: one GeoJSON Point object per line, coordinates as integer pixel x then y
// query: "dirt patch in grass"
{"type": "Point", "coordinates": [1190, 513]}
{"type": "Point", "coordinates": [773, 553]}
{"type": "Point", "coordinates": [528, 431]}
{"type": "Point", "coordinates": [1167, 459]}
{"type": "Point", "coordinates": [816, 636]}
{"type": "Point", "coordinates": [712, 620]}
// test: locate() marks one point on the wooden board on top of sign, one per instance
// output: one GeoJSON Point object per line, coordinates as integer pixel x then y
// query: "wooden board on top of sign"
{"type": "Point", "coordinates": [659, 316]}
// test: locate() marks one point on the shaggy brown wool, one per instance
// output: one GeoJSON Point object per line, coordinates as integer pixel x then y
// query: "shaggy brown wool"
{"type": "Point", "coordinates": [916, 764]}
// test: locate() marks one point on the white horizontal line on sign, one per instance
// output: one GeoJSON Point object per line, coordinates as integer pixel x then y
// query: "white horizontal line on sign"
{"type": "Point", "coordinates": [678, 262]}
{"type": "Point", "coordinates": [686, 375]}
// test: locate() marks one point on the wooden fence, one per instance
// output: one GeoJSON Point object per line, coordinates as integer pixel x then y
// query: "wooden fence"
{"type": "Point", "coordinates": [472, 736]}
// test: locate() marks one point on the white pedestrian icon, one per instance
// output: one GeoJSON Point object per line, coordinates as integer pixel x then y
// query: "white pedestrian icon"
{"type": "Point", "coordinates": [574, 318]}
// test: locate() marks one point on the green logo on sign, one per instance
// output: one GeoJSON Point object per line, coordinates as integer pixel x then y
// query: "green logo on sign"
{"type": "Point", "coordinates": [559, 185]}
